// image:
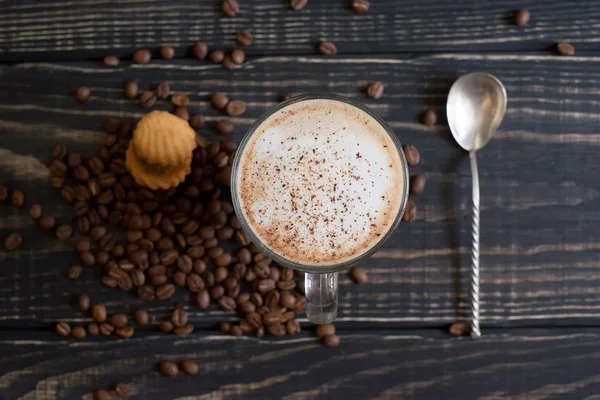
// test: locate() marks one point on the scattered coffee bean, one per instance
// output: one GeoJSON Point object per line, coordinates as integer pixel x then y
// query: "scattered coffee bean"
{"type": "Point", "coordinates": [130, 90]}
{"type": "Point", "coordinates": [60, 151]}
{"type": "Point", "coordinates": [331, 341]}
{"type": "Point", "coordinates": [147, 99]}
{"type": "Point", "coordinates": [64, 232]}
{"type": "Point", "coordinates": [413, 157]}
{"type": "Point", "coordinates": [375, 90]}
{"type": "Point", "coordinates": [183, 113]}
{"type": "Point", "coordinates": [74, 271]}
{"type": "Point", "coordinates": [183, 330]}
{"type": "Point", "coordinates": [12, 242]}
{"type": "Point", "coordinates": [125, 332]}
{"type": "Point", "coordinates": [358, 275]}
{"type": "Point", "coordinates": [123, 390]}
{"type": "Point", "coordinates": [327, 48]}
{"type": "Point", "coordinates": [142, 57]}
{"type": "Point", "coordinates": [168, 368]}
{"type": "Point", "coordinates": [87, 258]}
{"type": "Point", "coordinates": [35, 211]}
{"type": "Point", "coordinates": [203, 299]}
{"type": "Point", "coordinates": [82, 94]}
{"type": "Point", "coordinates": [111, 61]}
{"type": "Point", "coordinates": [219, 100]}
{"type": "Point", "coordinates": [460, 328]}
{"type": "Point", "coordinates": [78, 332]}
{"type": "Point", "coordinates": [179, 317]}
{"type": "Point", "coordinates": [83, 302]}
{"type": "Point", "coordinates": [164, 292]}
{"type": "Point", "coordinates": [142, 317]}
{"type": "Point", "coordinates": [298, 4]}
{"type": "Point", "coordinates": [197, 121]}
{"type": "Point", "coordinates": [238, 56]}
{"type": "Point", "coordinates": [119, 320]}
{"type": "Point", "coordinates": [216, 56]}
{"type": "Point", "coordinates": [230, 7]}
{"type": "Point", "coordinates": [244, 38]}
{"type": "Point", "coordinates": [325, 330]}
{"type": "Point", "coordinates": [46, 222]}
{"type": "Point", "coordinates": [236, 108]}
{"type": "Point", "coordinates": [224, 126]}
{"type": "Point", "coordinates": [63, 328]}
{"type": "Point", "coordinates": [166, 326]}
{"type": "Point", "coordinates": [163, 90]}
{"type": "Point", "coordinates": [180, 100]}
{"type": "Point", "coordinates": [190, 367]}
{"type": "Point", "coordinates": [106, 329]}
{"type": "Point", "coordinates": [166, 52]}
{"type": "Point", "coordinates": [228, 62]}
{"type": "Point", "coordinates": [360, 6]}
{"type": "Point", "coordinates": [417, 184]}
{"type": "Point", "coordinates": [93, 329]}
{"type": "Point", "coordinates": [522, 17]}
{"type": "Point", "coordinates": [429, 117]}
{"type": "Point", "coordinates": [410, 212]}
{"type": "Point", "coordinates": [565, 49]}
{"type": "Point", "coordinates": [102, 394]}
{"type": "Point", "coordinates": [17, 198]}
{"type": "Point", "coordinates": [99, 312]}
{"type": "Point", "coordinates": [200, 50]}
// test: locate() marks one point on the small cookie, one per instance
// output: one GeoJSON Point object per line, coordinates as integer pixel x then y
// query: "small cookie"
{"type": "Point", "coordinates": [155, 176]}
{"type": "Point", "coordinates": [164, 139]}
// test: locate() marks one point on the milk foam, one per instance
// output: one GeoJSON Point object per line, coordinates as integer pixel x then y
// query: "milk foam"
{"type": "Point", "coordinates": [320, 182]}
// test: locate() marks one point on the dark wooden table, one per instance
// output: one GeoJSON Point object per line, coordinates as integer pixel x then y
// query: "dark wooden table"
{"type": "Point", "coordinates": [540, 246]}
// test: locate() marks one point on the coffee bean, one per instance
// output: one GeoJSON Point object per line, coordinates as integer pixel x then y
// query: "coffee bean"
{"type": "Point", "coordinates": [58, 168]}
{"type": "Point", "coordinates": [99, 312]}
{"type": "Point", "coordinates": [183, 113]}
{"type": "Point", "coordinates": [244, 38]}
{"type": "Point", "coordinates": [87, 258]}
{"type": "Point", "coordinates": [111, 61]}
{"type": "Point", "coordinates": [226, 303]}
{"type": "Point", "coordinates": [64, 232]}
{"type": "Point", "coordinates": [460, 328]}
{"type": "Point", "coordinates": [327, 48]}
{"type": "Point", "coordinates": [235, 330]}
{"type": "Point", "coordinates": [3, 192]}
{"type": "Point", "coordinates": [82, 94]}
{"type": "Point", "coordinates": [287, 300]}
{"type": "Point", "coordinates": [522, 17]}
{"type": "Point", "coordinates": [142, 317]}
{"type": "Point", "coordinates": [74, 271]}
{"type": "Point", "coordinates": [119, 320]}
{"type": "Point", "coordinates": [59, 152]}
{"type": "Point", "coordinates": [82, 245]}
{"type": "Point", "coordinates": [147, 99]}
{"type": "Point", "coordinates": [325, 330]}
{"type": "Point", "coordinates": [200, 49]}
{"type": "Point", "coordinates": [228, 62]}
{"type": "Point", "coordinates": [168, 368]}
{"type": "Point", "coordinates": [17, 198]}
{"type": "Point", "coordinates": [163, 90]}
{"type": "Point", "coordinates": [102, 394]}
{"type": "Point", "coordinates": [63, 328]}
{"type": "Point", "coordinates": [35, 211]}
{"type": "Point", "coordinates": [123, 390]}
{"type": "Point", "coordinates": [142, 57]}
{"type": "Point", "coordinates": [106, 329]}
{"type": "Point", "coordinates": [12, 242]}
{"type": "Point", "coordinates": [83, 302]}
{"type": "Point", "coordinates": [417, 184]}
{"type": "Point", "coordinates": [199, 266]}
{"type": "Point", "coordinates": [429, 117]}
{"type": "Point", "coordinates": [93, 329]}
{"type": "Point", "coordinates": [238, 56]}
{"type": "Point", "coordinates": [108, 242]}
{"type": "Point", "coordinates": [216, 56]}
{"type": "Point", "coordinates": [565, 49]}
{"type": "Point", "coordinates": [358, 275]}
{"type": "Point", "coordinates": [410, 212]}
{"type": "Point", "coordinates": [375, 90]}
{"type": "Point", "coordinates": [413, 157]}
{"type": "Point", "coordinates": [202, 299]}
{"type": "Point", "coordinates": [179, 317]}
{"type": "Point", "coordinates": [224, 126]}
{"type": "Point", "coordinates": [190, 367]}
{"type": "Point", "coordinates": [180, 100]}
{"type": "Point", "coordinates": [266, 285]}
{"type": "Point", "coordinates": [166, 52]}
{"type": "Point", "coordinates": [125, 332]}
{"type": "Point", "coordinates": [230, 7]}
{"type": "Point", "coordinates": [219, 100]}
{"type": "Point", "coordinates": [166, 291]}
{"type": "Point", "coordinates": [78, 332]}
{"type": "Point", "coordinates": [331, 341]}
{"type": "Point", "coordinates": [195, 283]}
{"type": "Point", "coordinates": [130, 89]}
{"type": "Point", "coordinates": [235, 108]}
{"type": "Point", "coordinates": [55, 182]}
{"type": "Point", "coordinates": [298, 4]}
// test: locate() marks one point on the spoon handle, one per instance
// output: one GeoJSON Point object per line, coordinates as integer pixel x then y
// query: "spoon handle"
{"type": "Point", "coordinates": [475, 331]}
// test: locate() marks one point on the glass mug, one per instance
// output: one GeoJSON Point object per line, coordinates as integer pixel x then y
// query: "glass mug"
{"type": "Point", "coordinates": [321, 281]}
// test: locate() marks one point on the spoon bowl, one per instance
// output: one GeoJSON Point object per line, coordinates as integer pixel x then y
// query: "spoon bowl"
{"type": "Point", "coordinates": [475, 108]}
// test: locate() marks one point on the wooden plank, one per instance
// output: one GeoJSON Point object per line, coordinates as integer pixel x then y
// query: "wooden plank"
{"type": "Point", "coordinates": [539, 188]}
{"type": "Point", "coordinates": [60, 30]}
{"type": "Point", "coordinates": [518, 364]}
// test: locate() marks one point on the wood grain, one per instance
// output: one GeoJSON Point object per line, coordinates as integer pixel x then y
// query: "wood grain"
{"type": "Point", "coordinates": [519, 364]}
{"type": "Point", "coordinates": [538, 182]}
{"type": "Point", "coordinates": [60, 30]}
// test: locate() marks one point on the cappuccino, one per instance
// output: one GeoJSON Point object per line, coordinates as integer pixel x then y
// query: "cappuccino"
{"type": "Point", "coordinates": [320, 182]}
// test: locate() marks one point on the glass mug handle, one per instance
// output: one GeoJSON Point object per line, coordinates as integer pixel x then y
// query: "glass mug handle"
{"type": "Point", "coordinates": [321, 297]}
